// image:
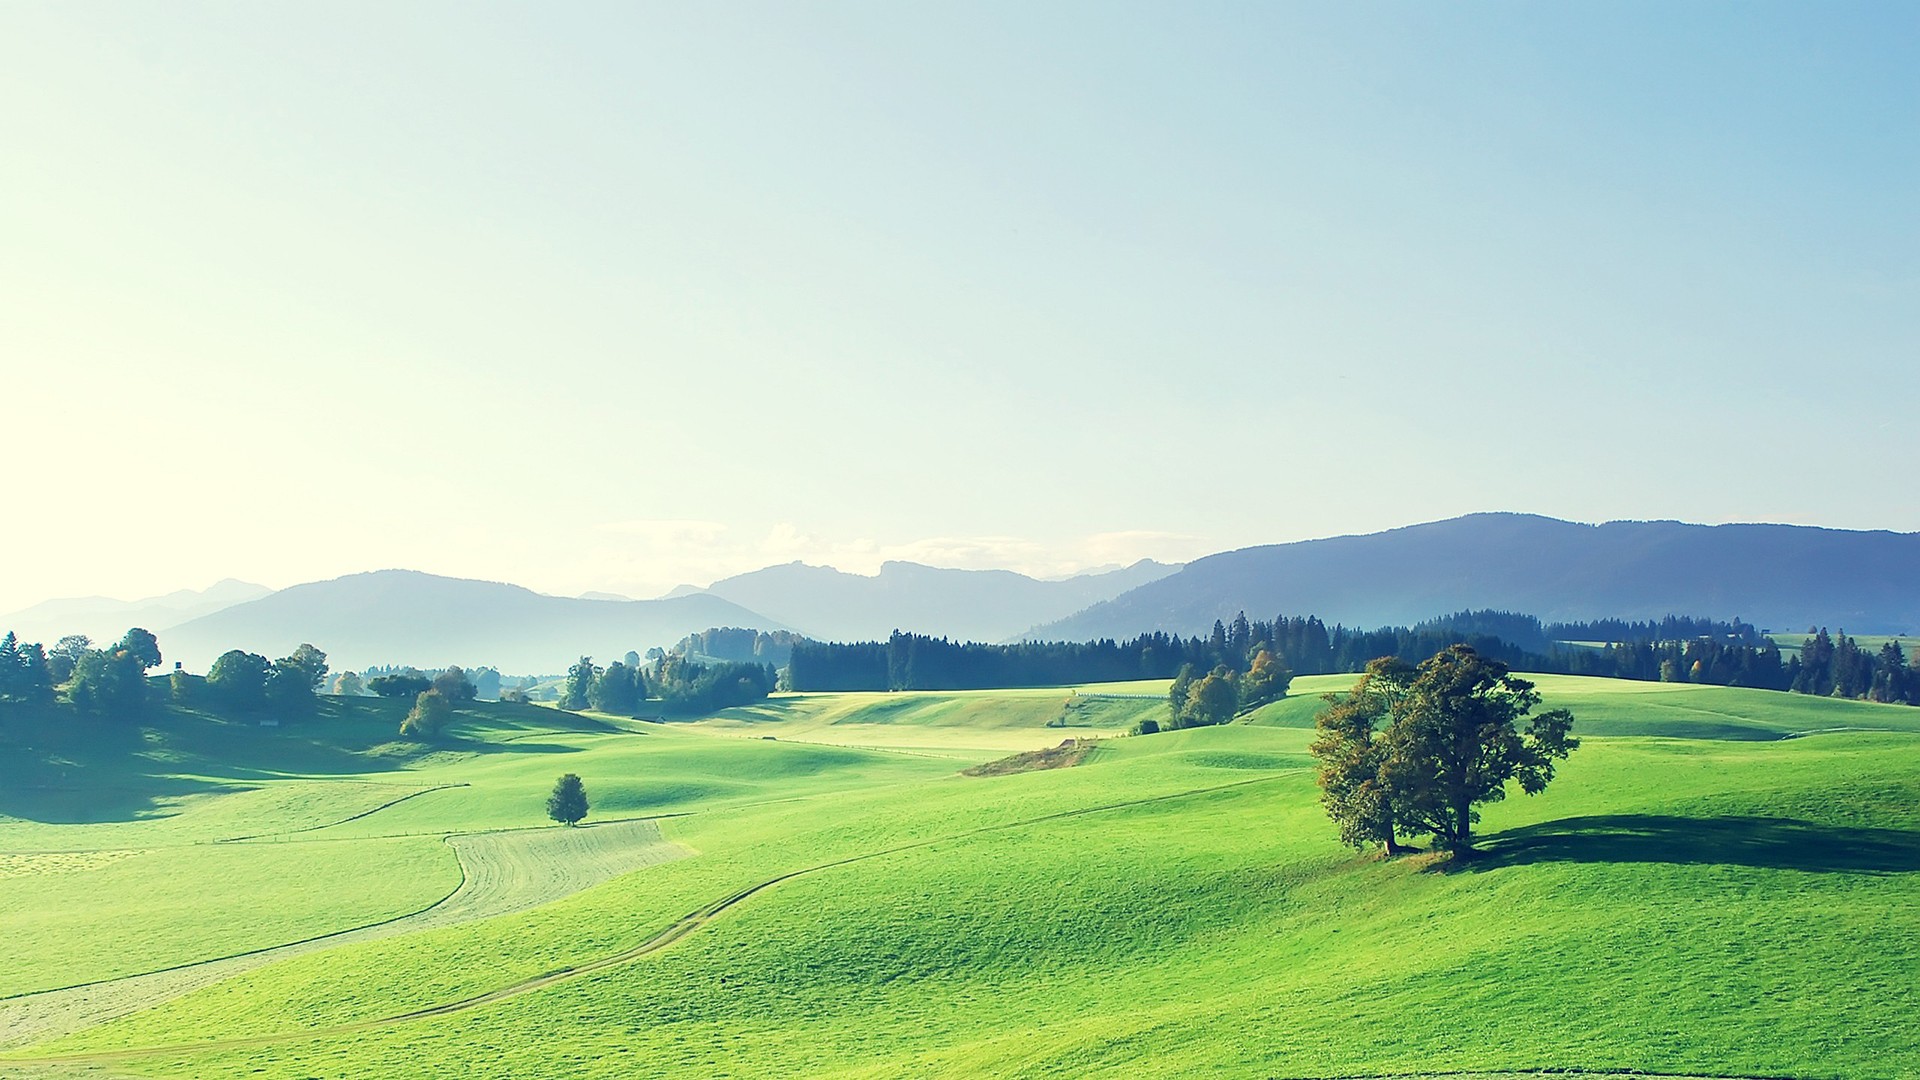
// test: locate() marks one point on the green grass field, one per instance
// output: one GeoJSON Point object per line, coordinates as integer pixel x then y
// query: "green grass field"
{"type": "Point", "coordinates": [1720, 883]}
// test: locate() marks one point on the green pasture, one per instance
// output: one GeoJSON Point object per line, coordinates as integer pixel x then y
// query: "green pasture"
{"type": "Point", "coordinates": [955, 723]}
{"type": "Point", "coordinates": [1721, 882]}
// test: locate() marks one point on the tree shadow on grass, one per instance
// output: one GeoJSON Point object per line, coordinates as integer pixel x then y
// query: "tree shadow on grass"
{"type": "Point", "coordinates": [1767, 842]}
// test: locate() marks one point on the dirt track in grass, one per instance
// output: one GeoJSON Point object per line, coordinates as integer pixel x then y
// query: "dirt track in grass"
{"type": "Point", "coordinates": [502, 873]}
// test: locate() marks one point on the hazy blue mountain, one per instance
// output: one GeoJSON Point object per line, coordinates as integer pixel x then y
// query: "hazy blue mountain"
{"type": "Point", "coordinates": [407, 617]}
{"type": "Point", "coordinates": [1782, 577]}
{"type": "Point", "coordinates": [977, 605]}
{"type": "Point", "coordinates": [105, 619]}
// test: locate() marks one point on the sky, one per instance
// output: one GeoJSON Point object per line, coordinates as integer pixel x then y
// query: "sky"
{"type": "Point", "coordinates": [618, 296]}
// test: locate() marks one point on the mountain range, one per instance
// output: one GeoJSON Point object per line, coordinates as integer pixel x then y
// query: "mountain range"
{"type": "Point", "coordinates": [407, 617]}
{"type": "Point", "coordinates": [104, 619]}
{"type": "Point", "coordinates": [1780, 577]}
{"type": "Point", "coordinates": [972, 605]}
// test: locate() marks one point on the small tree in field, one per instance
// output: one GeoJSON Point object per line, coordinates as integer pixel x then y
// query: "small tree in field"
{"type": "Point", "coordinates": [431, 713]}
{"type": "Point", "coordinates": [568, 803]}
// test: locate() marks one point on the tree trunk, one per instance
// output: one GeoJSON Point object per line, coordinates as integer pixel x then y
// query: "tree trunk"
{"type": "Point", "coordinates": [1461, 841]}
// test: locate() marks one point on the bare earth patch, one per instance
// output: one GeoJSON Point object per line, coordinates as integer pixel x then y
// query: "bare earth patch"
{"type": "Point", "coordinates": [1065, 756]}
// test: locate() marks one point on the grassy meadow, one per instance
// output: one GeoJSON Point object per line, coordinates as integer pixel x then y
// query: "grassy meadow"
{"type": "Point", "coordinates": [1720, 883]}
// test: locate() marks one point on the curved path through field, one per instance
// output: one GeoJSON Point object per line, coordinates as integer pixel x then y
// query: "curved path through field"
{"type": "Point", "coordinates": [685, 925]}
{"type": "Point", "coordinates": [502, 873]}
{"type": "Point", "coordinates": [694, 920]}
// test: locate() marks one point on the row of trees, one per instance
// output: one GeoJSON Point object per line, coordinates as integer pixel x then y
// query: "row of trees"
{"type": "Point", "coordinates": [774, 647]}
{"type": "Point", "coordinates": [112, 680]}
{"type": "Point", "coordinates": [1415, 751]}
{"type": "Point", "coordinates": [1731, 654]}
{"type": "Point", "coordinates": [452, 683]}
{"type": "Point", "coordinates": [249, 682]}
{"type": "Point", "coordinates": [1195, 700]}
{"type": "Point", "coordinates": [393, 681]}
{"type": "Point", "coordinates": [681, 685]}
{"type": "Point", "coordinates": [1839, 667]}
{"type": "Point", "coordinates": [1305, 646]}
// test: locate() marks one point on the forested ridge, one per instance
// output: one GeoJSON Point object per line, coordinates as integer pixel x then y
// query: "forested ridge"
{"type": "Point", "coordinates": [1674, 649]}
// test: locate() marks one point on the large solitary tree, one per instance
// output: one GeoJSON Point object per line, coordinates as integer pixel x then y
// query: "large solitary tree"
{"type": "Point", "coordinates": [1459, 743]}
{"type": "Point", "coordinates": [1352, 747]}
{"type": "Point", "coordinates": [1420, 754]}
{"type": "Point", "coordinates": [568, 803]}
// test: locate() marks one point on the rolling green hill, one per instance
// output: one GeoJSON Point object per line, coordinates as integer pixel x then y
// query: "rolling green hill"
{"type": "Point", "coordinates": [820, 892]}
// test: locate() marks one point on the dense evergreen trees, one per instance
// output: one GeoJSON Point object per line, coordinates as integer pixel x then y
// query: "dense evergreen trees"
{"type": "Point", "coordinates": [1735, 655]}
{"type": "Point", "coordinates": [25, 676]}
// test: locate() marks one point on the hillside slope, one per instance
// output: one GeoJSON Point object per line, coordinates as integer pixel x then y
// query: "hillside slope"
{"type": "Point", "coordinates": [407, 617]}
{"type": "Point", "coordinates": [1724, 903]}
{"type": "Point", "coordinates": [1785, 577]}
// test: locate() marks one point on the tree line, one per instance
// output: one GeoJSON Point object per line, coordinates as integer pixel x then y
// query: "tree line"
{"type": "Point", "coordinates": [1305, 646]}
{"type": "Point", "coordinates": [681, 686]}
{"type": "Point", "coordinates": [113, 681]}
{"type": "Point", "coordinates": [1732, 654]}
{"type": "Point", "coordinates": [1196, 700]}
{"type": "Point", "coordinates": [731, 643]}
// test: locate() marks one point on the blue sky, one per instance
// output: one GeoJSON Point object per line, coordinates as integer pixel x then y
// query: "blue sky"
{"type": "Point", "coordinates": [618, 296]}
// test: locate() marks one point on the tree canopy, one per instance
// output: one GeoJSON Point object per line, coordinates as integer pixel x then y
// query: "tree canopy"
{"type": "Point", "coordinates": [238, 679]}
{"type": "Point", "coordinates": [1406, 753]}
{"type": "Point", "coordinates": [400, 684]}
{"type": "Point", "coordinates": [579, 684]}
{"type": "Point", "coordinates": [431, 714]}
{"type": "Point", "coordinates": [568, 803]}
{"type": "Point", "coordinates": [454, 685]}
{"type": "Point", "coordinates": [1352, 749]}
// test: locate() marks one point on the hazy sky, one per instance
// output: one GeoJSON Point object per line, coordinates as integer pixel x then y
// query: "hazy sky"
{"type": "Point", "coordinates": [617, 296]}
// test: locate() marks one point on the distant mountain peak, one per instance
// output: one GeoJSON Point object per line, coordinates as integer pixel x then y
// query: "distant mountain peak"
{"type": "Point", "coordinates": [397, 616]}
{"type": "Point", "coordinates": [979, 605]}
{"type": "Point", "coordinates": [1770, 575]}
